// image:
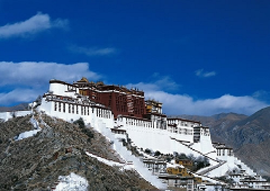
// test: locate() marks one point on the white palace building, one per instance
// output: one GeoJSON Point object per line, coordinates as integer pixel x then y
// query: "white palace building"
{"type": "Point", "coordinates": [152, 130]}
{"type": "Point", "coordinates": [127, 115]}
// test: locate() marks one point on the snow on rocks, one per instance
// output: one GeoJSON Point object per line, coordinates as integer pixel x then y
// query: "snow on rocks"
{"type": "Point", "coordinates": [29, 133]}
{"type": "Point", "coordinates": [71, 182]}
{"type": "Point", "coordinates": [8, 115]}
{"type": "Point", "coordinates": [125, 166]}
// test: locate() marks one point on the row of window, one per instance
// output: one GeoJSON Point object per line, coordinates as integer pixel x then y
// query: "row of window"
{"type": "Point", "coordinates": [104, 113]}
{"type": "Point", "coordinates": [181, 131]}
{"type": "Point", "coordinates": [221, 152]}
{"type": "Point", "coordinates": [84, 110]}
{"type": "Point", "coordinates": [183, 123]}
{"type": "Point", "coordinates": [71, 108]}
{"type": "Point", "coordinates": [185, 131]}
{"type": "Point", "coordinates": [204, 132]}
{"type": "Point", "coordinates": [121, 107]}
{"type": "Point", "coordinates": [137, 122]}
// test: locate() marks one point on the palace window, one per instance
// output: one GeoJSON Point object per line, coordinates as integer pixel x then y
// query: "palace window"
{"type": "Point", "coordinates": [55, 106]}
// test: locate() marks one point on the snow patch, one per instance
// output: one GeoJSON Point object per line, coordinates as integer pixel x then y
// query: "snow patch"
{"type": "Point", "coordinates": [8, 115]}
{"type": "Point", "coordinates": [29, 133]}
{"type": "Point", "coordinates": [72, 182]}
{"type": "Point", "coordinates": [111, 163]}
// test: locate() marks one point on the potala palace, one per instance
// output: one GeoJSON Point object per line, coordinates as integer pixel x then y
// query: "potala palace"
{"type": "Point", "coordinates": [124, 114]}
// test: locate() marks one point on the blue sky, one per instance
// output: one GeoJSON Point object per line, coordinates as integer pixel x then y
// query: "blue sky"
{"type": "Point", "coordinates": [197, 57]}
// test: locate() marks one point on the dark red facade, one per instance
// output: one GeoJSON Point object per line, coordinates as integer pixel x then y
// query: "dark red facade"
{"type": "Point", "coordinates": [119, 99]}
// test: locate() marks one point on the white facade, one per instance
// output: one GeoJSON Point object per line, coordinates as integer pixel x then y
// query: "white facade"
{"type": "Point", "coordinates": [64, 101]}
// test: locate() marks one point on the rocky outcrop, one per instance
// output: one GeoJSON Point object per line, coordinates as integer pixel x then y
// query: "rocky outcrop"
{"type": "Point", "coordinates": [35, 163]}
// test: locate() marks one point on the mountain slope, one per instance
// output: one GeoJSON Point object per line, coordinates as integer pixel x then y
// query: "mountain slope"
{"type": "Point", "coordinates": [20, 107]}
{"type": "Point", "coordinates": [35, 163]}
{"type": "Point", "coordinates": [248, 135]}
{"type": "Point", "coordinates": [219, 124]}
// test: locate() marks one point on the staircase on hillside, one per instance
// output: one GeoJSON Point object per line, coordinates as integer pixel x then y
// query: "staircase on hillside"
{"type": "Point", "coordinates": [128, 156]}
{"type": "Point", "coordinates": [209, 152]}
{"type": "Point", "coordinates": [203, 172]}
{"type": "Point", "coordinates": [244, 166]}
{"type": "Point", "coordinates": [220, 163]}
{"type": "Point", "coordinates": [214, 180]}
{"type": "Point", "coordinates": [194, 150]}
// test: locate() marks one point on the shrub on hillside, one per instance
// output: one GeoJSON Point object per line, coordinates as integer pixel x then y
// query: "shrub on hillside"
{"type": "Point", "coordinates": [148, 151]}
{"type": "Point", "coordinates": [157, 153]}
{"type": "Point", "coordinates": [80, 122]}
{"type": "Point", "coordinates": [85, 130]}
{"type": "Point", "coordinates": [200, 162]}
{"type": "Point", "coordinates": [182, 156]}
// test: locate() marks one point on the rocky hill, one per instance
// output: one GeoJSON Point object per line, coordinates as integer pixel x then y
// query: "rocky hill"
{"type": "Point", "coordinates": [248, 135]}
{"type": "Point", "coordinates": [59, 148]}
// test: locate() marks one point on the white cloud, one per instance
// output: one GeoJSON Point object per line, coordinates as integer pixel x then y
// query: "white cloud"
{"type": "Point", "coordinates": [35, 24]}
{"type": "Point", "coordinates": [33, 78]}
{"type": "Point", "coordinates": [144, 86]}
{"type": "Point", "coordinates": [157, 82]}
{"type": "Point", "coordinates": [94, 51]}
{"type": "Point", "coordinates": [202, 73]}
{"type": "Point", "coordinates": [19, 96]}
{"type": "Point", "coordinates": [184, 104]}
{"type": "Point", "coordinates": [174, 104]}
{"type": "Point", "coordinates": [35, 74]}
{"type": "Point", "coordinates": [166, 83]}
